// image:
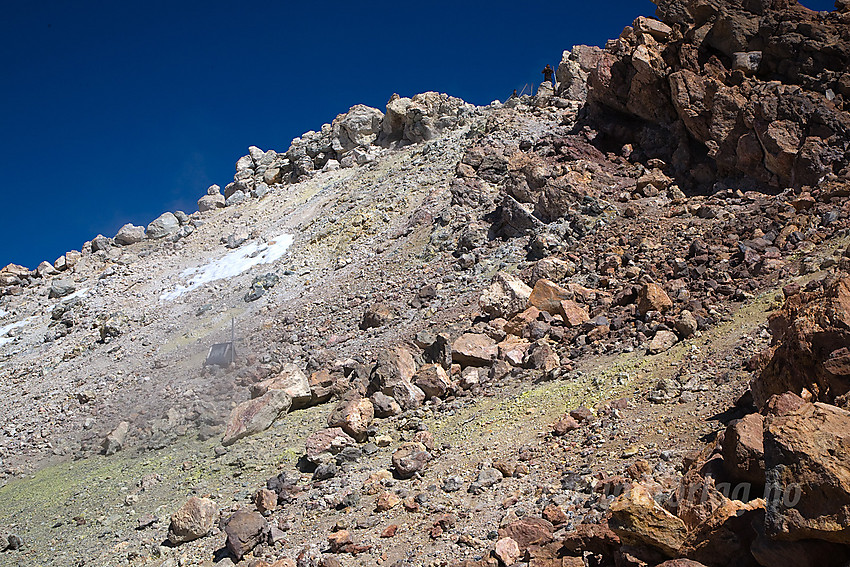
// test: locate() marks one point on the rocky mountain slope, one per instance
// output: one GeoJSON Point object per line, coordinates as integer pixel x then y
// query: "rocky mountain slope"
{"type": "Point", "coordinates": [534, 333]}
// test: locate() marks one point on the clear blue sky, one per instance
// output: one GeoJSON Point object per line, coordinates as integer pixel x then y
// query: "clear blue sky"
{"type": "Point", "coordinates": [114, 112]}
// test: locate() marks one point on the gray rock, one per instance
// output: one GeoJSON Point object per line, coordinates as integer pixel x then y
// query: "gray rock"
{"type": "Point", "coordinates": [245, 162]}
{"type": "Point", "coordinates": [235, 199]}
{"type": "Point", "coordinates": [210, 202]}
{"type": "Point", "coordinates": [46, 269]}
{"type": "Point", "coordinates": [236, 238]}
{"type": "Point", "coordinates": [129, 234]}
{"type": "Point", "coordinates": [259, 190]}
{"type": "Point", "coordinates": [213, 190]}
{"type": "Point", "coordinates": [182, 217]}
{"type": "Point", "coordinates": [356, 128]}
{"type": "Point", "coordinates": [114, 442]}
{"type": "Point", "coordinates": [99, 243]}
{"type": "Point", "coordinates": [61, 288]}
{"type": "Point", "coordinates": [165, 225]}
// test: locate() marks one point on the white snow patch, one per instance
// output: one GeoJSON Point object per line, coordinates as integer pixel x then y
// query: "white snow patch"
{"type": "Point", "coordinates": [232, 264]}
{"type": "Point", "coordinates": [79, 293]}
{"type": "Point", "coordinates": [3, 330]}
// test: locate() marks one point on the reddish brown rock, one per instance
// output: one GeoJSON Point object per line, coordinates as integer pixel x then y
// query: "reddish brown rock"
{"type": "Point", "coordinates": [652, 297]}
{"type": "Point", "coordinates": [565, 425]}
{"type": "Point", "coordinates": [244, 530]}
{"type": "Point", "coordinates": [724, 538]}
{"type": "Point", "coordinates": [377, 315]}
{"type": "Point", "coordinates": [471, 349]}
{"type": "Point", "coordinates": [809, 350]}
{"type": "Point", "coordinates": [410, 458]}
{"type": "Point", "coordinates": [321, 386]}
{"type": "Point", "coordinates": [331, 441]}
{"type": "Point", "coordinates": [574, 314]}
{"type": "Point", "coordinates": [507, 551]}
{"type": "Point", "coordinates": [387, 501]}
{"type": "Point", "coordinates": [783, 404]}
{"type": "Point", "coordinates": [598, 539]}
{"type": "Point", "coordinates": [807, 459]}
{"type": "Point", "coordinates": [696, 499]}
{"type": "Point", "coordinates": [265, 500]}
{"type": "Point", "coordinates": [547, 296]}
{"type": "Point", "coordinates": [528, 531]}
{"type": "Point", "coordinates": [555, 515]}
{"type": "Point", "coordinates": [433, 380]}
{"type": "Point", "coordinates": [520, 322]}
{"type": "Point", "coordinates": [743, 449]}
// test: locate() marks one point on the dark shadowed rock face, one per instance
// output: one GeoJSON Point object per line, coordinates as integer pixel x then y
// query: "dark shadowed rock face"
{"type": "Point", "coordinates": [758, 88]}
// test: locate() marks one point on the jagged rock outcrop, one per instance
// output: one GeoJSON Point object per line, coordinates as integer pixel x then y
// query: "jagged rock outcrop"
{"type": "Point", "coordinates": [755, 90]}
{"type": "Point", "coordinates": [811, 334]}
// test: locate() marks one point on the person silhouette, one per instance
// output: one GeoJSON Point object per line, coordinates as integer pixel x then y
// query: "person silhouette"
{"type": "Point", "coordinates": [547, 73]}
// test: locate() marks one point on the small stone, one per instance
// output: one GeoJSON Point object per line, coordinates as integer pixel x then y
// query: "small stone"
{"type": "Point", "coordinates": [387, 501]}
{"type": "Point", "coordinates": [61, 288]}
{"type": "Point", "coordinates": [410, 458]}
{"type": "Point", "coordinates": [507, 550]}
{"type": "Point", "coordinates": [565, 425]}
{"type": "Point", "coordinates": [265, 500]}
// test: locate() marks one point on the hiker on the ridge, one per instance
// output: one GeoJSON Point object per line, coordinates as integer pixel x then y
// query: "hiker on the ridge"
{"type": "Point", "coordinates": [547, 73]}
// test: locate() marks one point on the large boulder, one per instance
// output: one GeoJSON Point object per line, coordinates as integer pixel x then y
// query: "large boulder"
{"type": "Point", "coordinates": [256, 415]}
{"type": "Point", "coordinates": [807, 462]}
{"type": "Point", "coordinates": [638, 520]}
{"type": "Point", "coordinates": [421, 118]}
{"type": "Point", "coordinates": [129, 234]}
{"type": "Point", "coordinates": [292, 380]}
{"type": "Point", "coordinates": [743, 449]}
{"type": "Point", "coordinates": [164, 225]}
{"type": "Point", "coordinates": [473, 349]}
{"type": "Point", "coordinates": [573, 71]}
{"type": "Point", "coordinates": [358, 127]}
